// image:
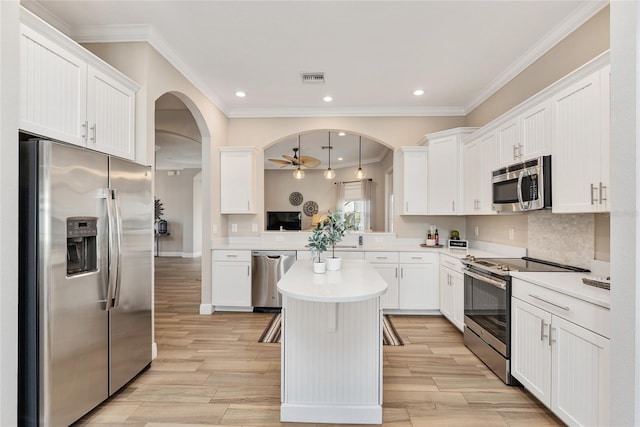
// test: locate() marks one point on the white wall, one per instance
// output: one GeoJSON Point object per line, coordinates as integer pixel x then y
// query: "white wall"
{"type": "Point", "coordinates": [9, 18]}
{"type": "Point", "coordinates": [175, 191]}
{"type": "Point", "coordinates": [197, 215]}
{"type": "Point", "coordinates": [625, 227]}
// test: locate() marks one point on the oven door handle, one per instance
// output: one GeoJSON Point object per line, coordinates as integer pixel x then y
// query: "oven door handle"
{"type": "Point", "coordinates": [492, 281]}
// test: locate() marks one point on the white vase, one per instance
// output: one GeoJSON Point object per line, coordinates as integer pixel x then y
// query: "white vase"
{"type": "Point", "coordinates": [334, 263]}
{"type": "Point", "coordinates": [319, 267]}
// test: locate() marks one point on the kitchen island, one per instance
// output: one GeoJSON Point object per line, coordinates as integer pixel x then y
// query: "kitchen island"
{"type": "Point", "coordinates": [332, 344]}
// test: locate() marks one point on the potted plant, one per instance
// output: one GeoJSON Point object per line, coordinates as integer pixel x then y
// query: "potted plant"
{"type": "Point", "coordinates": [318, 242]}
{"type": "Point", "coordinates": [336, 224]}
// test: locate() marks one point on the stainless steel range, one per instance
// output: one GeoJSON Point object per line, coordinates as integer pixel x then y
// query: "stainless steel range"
{"type": "Point", "coordinates": [487, 306]}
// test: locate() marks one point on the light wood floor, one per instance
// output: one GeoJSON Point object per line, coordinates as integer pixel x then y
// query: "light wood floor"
{"type": "Point", "coordinates": [211, 370]}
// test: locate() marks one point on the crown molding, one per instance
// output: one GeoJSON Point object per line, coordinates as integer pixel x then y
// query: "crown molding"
{"type": "Point", "coordinates": [559, 33]}
{"type": "Point", "coordinates": [344, 112]}
{"type": "Point", "coordinates": [37, 8]}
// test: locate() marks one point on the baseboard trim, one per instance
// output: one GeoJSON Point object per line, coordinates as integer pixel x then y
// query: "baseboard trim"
{"type": "Point", "coordinates": [334, 414]}
{"type": "Point", "coordinates": [206, 308]}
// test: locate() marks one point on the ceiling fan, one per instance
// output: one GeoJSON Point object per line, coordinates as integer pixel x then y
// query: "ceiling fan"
{"type": "Point", "coordinates": [306, 161]}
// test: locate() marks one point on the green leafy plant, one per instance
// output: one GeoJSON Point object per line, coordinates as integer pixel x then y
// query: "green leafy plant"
{"type": "Point", "coordinates": [335, 228]}
{"type": "Point", "coordinates": [318, 241]}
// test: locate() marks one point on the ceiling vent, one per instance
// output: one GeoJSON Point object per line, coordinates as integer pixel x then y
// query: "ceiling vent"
{"type": "Point", "coordinates": [312, 77]}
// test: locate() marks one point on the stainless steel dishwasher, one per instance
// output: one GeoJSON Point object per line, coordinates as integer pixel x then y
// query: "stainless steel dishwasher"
{"type": "Point", "coordinates": [267, 267]}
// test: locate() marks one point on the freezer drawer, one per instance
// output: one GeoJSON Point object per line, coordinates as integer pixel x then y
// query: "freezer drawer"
{"type": "Point", "coordinates": [267, 268]}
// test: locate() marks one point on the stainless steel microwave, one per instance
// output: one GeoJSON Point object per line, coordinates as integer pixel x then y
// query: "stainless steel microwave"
{"type": "Point", "coordinates": [523, 186]}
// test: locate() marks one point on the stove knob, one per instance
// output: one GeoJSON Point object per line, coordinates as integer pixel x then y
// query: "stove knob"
{"type": "Point", "coordinates": [505, 268]}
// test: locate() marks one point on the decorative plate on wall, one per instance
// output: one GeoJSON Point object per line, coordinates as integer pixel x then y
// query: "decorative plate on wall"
{"type": "Point", "coordinates": [310, 208]}
{"type": "Point", "coordinates": [295, 198]}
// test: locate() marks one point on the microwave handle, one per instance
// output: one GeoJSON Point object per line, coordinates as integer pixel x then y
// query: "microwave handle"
{"type": "Point", "coordinates": [520, 200]}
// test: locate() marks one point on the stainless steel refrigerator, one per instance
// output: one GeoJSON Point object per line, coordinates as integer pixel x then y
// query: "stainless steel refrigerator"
{"type": "Point", "coordinates": [86, 240]}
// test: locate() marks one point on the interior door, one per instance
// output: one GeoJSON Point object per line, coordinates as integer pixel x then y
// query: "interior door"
{"type": "Point", "coordinates": [131, 319]}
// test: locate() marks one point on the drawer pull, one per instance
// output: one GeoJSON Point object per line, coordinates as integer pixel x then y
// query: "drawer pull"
{"type": "Point", "coordinates": [381, 257]}
{"type": "Point", "coordinates": [416, 257]}
{"type": "Point", "coordinates": [565, 308]}
{"type": "Point", "coordinates": [232, 256]}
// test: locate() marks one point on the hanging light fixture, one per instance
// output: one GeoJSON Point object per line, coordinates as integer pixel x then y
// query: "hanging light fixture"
{"type": "Point", "coordinates": [298, 173]}
{"type": "Point", "coordinates": [329, 173]}
{"type": "Point", "coordinates": [360, 173]}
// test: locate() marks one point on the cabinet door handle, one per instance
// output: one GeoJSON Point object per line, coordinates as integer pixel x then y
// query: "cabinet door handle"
{"type": "Point", "coordinates": [520, 147]}
{"type": "Point", "coordinates": [551, 339]}
{"type": "Point", "coordinates": [248, 205]}
{"type": "Point", "coordinates": [514, 153]}
{"type": "Point", "coordinates": [453, 206]}
{"type": "Point", "coordinates": [248, 271]}
{"type": "Point", "coordinates": [402, 273]}
{"type": "Point", "coordinates": [601, 190]}
{"type": "Point", "coordinates": [542, 334]}
{"type": "Point", "coordinates": [592, 190]}
{"type": "Point", "coordinates": [93, 131]}
{"type": "Point", "coordinates": [563, 307]}
{"type": "Point", "coordinates": [406, 206]}
{"type": "Point", "coordinates": [396, 272]}
{"type": "Point", "coordinates": [85, 133]}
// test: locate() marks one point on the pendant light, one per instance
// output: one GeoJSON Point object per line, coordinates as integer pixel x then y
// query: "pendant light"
{"type": "Point", "coordinates": [360, 173]}
{"type": "Point", "coordinates": [329, 173]}
{"type": "Point", "coordinates": [298, 173]}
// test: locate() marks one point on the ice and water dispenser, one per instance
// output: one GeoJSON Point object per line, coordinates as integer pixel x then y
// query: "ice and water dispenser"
{"type": "Point", "coordinates": [82, 245]}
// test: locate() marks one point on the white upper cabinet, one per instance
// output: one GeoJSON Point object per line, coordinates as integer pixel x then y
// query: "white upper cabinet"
{"type": "Point", "coordinates": [238, 180]}
{"type": "Point", "coordinates": [535, 131]}
{"type": "Point", "coordinates": [509, 142]}
{"type": "Point", "coordinates": [445, 184]}
{"type": "Point", "coordinates": [580, 160]}
{"type": "Point", "coordinates": [53, 89]}
{"type": "Point", "coordinates": [526, 136]}
{"type": "Point", "coordinates": [110, 115]}
{"type": "Point", "coordinates": [412, 182]}
{"type": "Point", "coordinates": [480, 159]}
{"type": "Point", "coordinates": [68, 94]}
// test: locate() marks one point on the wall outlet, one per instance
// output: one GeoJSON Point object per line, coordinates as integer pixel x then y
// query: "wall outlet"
{"type": "Point", "coordinates": [254, 228]}
{"type": "Point", "coordinates": [511, 234]}
{"type": "Point", "coordinates": [477, 230]}
{"type": "Point", "coordinates": [234, 228]}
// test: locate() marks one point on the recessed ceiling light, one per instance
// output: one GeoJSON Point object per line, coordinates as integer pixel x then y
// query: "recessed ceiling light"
{"type": "Point", "coordinates": [340, 158]}
{"type": "Point", "coordinates": [341, 134]}
{"type": "Point", "coordinates": [327, 99]}
{"type": "Point", "coordinates": [240, 94]}
{"type": "Point", "coordinates": [418, 92]}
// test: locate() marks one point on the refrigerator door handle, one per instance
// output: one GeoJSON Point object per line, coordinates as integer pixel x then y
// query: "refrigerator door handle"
{"type": "Point", "coordinates": [118, 250]}
{"type": "Point", "coordinates": [111, 272]}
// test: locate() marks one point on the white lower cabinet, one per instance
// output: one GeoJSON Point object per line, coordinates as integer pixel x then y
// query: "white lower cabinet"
{"type": "Point", "coordinates": [418, 285]}
{"type": "Point", "coordinates": [386, 263]}
{"type": "Point", "coordinates": [231, 279]}
{"type": "Point", "coordinates": [563, 364]}
{"type": "Point", "coordinates": [452, 291]}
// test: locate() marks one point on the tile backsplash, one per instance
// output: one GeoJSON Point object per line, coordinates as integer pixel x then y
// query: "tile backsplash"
{"type": "Point", "coordinates": [563, 238]}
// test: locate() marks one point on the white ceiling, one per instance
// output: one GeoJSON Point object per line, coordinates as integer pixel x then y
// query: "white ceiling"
{"type": "Point", "coordinates": [374, 53]}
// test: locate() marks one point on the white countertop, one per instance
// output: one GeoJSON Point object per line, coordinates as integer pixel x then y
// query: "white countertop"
{"type": "Point", "coordinates": [568, 284]}
{"type": "Point", "coordinates": [356, 281]}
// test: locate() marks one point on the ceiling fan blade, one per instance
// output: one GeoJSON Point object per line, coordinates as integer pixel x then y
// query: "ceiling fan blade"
{"type": "Point", "coordinates": [309, 162]}
{"type": "Point", "coordinates": [279, 161]}
{"type": "Point", "coordinates": [293, 160]}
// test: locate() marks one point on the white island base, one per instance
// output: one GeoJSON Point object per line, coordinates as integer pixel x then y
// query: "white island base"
{"type": "Point", "coordinates": [332, 345]}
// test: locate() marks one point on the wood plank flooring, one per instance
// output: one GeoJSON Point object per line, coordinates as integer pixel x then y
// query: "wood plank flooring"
{"type": "Point", "coordinates": [211, 371]}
